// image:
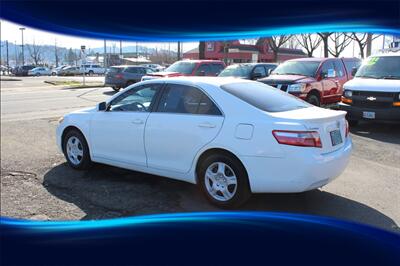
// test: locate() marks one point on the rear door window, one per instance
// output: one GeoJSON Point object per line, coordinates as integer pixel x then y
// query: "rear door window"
{"type": "Point", "coordinates": [184, 99]}
{"type": "Point", "coordinates": [339, 68]}
{"type": "Point", "coordinates": [265, 97]}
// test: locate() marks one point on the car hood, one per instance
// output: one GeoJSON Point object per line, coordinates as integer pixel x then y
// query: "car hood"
{"type": "Point", "coordinates": [367, 84]}
{"type": "Point", "coordinates": [287, 79]}
{"type": "Point", "coordinates": [166, 74]}
{"type": "Point", "coordinates": [85, 110]}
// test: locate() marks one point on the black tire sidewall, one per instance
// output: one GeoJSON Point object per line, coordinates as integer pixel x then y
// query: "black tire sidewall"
{"type": "Point", "coordinates": [86, 161]}
{"type": "Point", "coordinates": [314, 100]}
{"type": "Point", "coordinates": [242, 191]}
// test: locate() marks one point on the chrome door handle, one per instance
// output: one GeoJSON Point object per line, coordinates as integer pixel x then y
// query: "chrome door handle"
{"type": "Point", "coordinates": [137, 121]}
{"type": "Point", "coordinates": [207, 125]}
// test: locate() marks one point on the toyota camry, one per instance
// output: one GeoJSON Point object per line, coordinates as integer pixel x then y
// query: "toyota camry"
{"type": "Point", "coordinates": [230, 137]}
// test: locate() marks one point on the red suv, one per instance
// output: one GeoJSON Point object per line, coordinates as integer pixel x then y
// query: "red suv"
{"type": "Point", "coordinates": [316, 80]}
{"type": "Point", "coordinates": [189, 68]}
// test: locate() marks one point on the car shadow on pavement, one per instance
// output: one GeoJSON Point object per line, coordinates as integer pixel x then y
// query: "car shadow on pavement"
{"type": "Point", "coordinates": [382, 131]}
{"type": "Point", "coordinates": [110, 93]}
{"type": "Point", "coordinates": [110, 192]}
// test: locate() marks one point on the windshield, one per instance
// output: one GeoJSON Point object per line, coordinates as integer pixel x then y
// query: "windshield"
{"type": "Point", "coordinates": [265, 97]}
{"type": "Point", "coordinates": [380, 67]}
{"type": "Point", "coordinates": [236, 71]}
{"type": "Point", "coordinates": [181, 67]}
{"type": "Point", "coordinates": [303, 68]}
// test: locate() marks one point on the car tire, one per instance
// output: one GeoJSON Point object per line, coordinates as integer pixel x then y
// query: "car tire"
{"type": "Point", "coordinates": [76, 150]}
{"type": "Point", "coordinates": [91, 73]}
{"type": "Point", "coordinates": [352, 123]}
{"type": "Point", "coordinates": [313, 99]}
{"type": "Point", "coordinates": [219, 192]}
{"type": "Point", "coordinates": [128, 83]}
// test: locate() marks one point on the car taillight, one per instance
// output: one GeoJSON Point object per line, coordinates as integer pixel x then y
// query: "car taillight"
{"type": "Point", "coordinates": [298, 138]}
{"type": "Point", "coordinates": [347, 128]}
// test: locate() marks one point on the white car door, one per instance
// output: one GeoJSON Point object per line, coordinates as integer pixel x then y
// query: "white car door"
{"type": "Point", "coordinates": [117, 134]}
{"type": "Point", "coordinates": [185, 120]}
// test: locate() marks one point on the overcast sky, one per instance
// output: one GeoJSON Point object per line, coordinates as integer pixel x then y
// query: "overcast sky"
{"type": "Point", "coordinates": [10, 31]}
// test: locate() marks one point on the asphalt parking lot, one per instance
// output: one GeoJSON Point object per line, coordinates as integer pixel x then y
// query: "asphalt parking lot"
{"type": "Point", "coordinates": [36, 183]}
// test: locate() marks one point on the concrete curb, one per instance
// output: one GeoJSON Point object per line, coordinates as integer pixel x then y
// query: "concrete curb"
{"type": "Point", "coordinates": [9, 79]}
{"type": "Point", "coordinates": [74, 86]}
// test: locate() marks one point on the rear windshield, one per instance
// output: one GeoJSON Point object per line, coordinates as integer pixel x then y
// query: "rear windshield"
{"type": "Point", "coordinates": [114, 69]}
{"type": "Point", "coordinates": [182, 67]}
{"type": "Point", "coordinates": [265, 97]}
{"type": "Point", "coordinates": [236, 71]}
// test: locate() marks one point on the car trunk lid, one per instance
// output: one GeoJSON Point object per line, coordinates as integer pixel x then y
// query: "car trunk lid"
{"type": "Point", "coordinates": [331, 125]}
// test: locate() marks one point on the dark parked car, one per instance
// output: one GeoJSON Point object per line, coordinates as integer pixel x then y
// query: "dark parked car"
{"type": "Point", "coordinates": [23, 70]}
{"type": "Point", "coordinates": [119, 77]}
{"type": "Point", "coordinates": [252, 71]}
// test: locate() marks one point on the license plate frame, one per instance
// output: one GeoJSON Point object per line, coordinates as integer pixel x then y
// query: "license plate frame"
{"type": "Point", "coordinates": [368, 115]}
{"type": "Point", "coordinates": [336, 137]}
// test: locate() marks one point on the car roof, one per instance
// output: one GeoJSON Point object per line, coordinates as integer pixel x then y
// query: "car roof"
{"type": "Point", "coordinates": [193, 80]}
{"type": "Point", "coordinates": [201, 61]}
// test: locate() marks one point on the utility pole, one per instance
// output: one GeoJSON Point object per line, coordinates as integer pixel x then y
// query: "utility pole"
{"type": "Point", "coordinates": [179, 51]}
{"type": "Point", "coordinates": [120, 48]}
{"type": "Point", "coordinates": [8, 65]}
{"type": "Point", "coordinates": [137, 52]}
{"type": "Point", "coordinates": [55, 52]}
{"type": "Point", "coordinates": [105, 55]}
{"type": "Point", "coordinates": [22, 45]}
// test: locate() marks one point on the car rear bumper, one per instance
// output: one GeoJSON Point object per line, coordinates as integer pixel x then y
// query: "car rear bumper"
{"type": "Point", "coordinates": [296, 172]}
{"type": "Point", "coordinates": [356, 113]}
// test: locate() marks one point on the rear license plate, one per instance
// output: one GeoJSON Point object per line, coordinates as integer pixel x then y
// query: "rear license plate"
{"type": "Point", "coordinates": [336, 137]}
{"type": "Point", "coordinates": [369, 115]}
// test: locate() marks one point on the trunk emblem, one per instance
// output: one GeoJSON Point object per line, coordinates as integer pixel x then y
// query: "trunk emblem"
{"type": "Point", "coordinates": [371, 98]}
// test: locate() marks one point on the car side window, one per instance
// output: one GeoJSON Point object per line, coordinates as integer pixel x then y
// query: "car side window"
{"type": "Point", "coordinates": [216, 69]}
{"type": "Point", "coordinates": [339, 68]}
{"type": "Point", "coordinates": [184, 99]}
{"type": "Point", "coordinates": [138, 99]}
{"type": "Point", "coordinates": [260, 70]}
{"type": "Point", "coordinates": [328, 70]}
{"type": "Point", "coordinates": [148, 71]}
{"type": "Point", "coordinates": [204, 68]}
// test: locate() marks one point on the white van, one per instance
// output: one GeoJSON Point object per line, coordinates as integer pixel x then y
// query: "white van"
{"type": "Point", "coordinates": [374, 93]}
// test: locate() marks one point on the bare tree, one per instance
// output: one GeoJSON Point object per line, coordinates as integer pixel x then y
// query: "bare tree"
{"type": "Point", "coordinates": [363, 39]}
{"type": "Point", "coordinates": [309, 42]}
{"type": "Point", "coordinates": [276, 42]}
{"type": "Point", "coordinates": [325, 38]}
{"type": "Point", "coordinates": [341, 41]}
{"type": "Point", "coordinates": [35, 52]}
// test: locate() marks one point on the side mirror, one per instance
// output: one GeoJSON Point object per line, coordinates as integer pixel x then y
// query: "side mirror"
{"type": "Point", "coordinates": [354, 71]}
{"type": "Point", "coordinates": [256, 76]}
{"type": "Point", "coordinates": [102, 106]}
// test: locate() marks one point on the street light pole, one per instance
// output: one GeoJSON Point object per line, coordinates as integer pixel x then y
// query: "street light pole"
{"type": "Point", "coordinates": [22, 45]}
{"type": "Point", "coordinates": [8, 65]}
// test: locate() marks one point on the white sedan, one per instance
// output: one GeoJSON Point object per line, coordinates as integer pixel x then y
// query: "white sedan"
{"type": "Point", "coordinates": [231, 137]}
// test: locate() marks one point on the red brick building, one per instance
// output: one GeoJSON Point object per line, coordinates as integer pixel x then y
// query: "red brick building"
{"type": "Point", "coordinates": [235, 52]}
